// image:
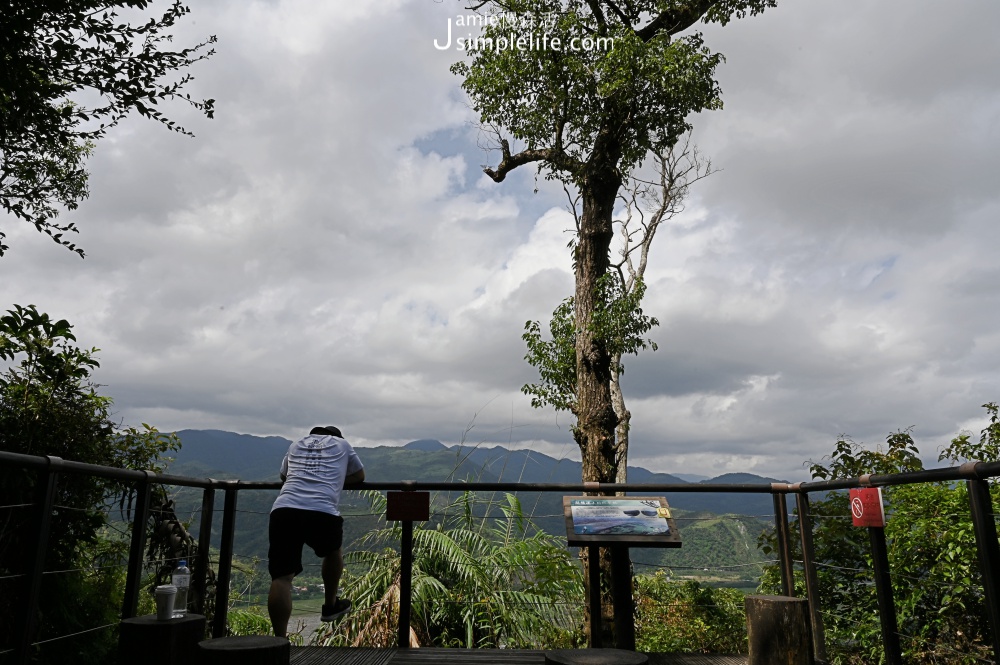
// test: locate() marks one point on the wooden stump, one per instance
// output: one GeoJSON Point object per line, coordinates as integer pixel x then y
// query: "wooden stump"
{"type": "Point", "coordinates": [778, 628]}
{"type": "Point", "coordinates": [248, 650]}
{"type": "Point", "coordinates": [146, 640]}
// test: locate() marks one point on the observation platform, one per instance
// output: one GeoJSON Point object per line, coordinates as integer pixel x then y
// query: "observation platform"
{"type": "Point", "coordinates": [429, 656]}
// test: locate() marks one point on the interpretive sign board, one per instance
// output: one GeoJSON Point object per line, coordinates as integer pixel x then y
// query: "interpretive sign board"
{"type": "Point", "coordinates": [635, 521]}
{"type": "Point", "coordinates": [866, 507]}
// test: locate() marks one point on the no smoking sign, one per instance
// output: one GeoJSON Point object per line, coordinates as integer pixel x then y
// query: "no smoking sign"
{"type": "Point", "coordinates": [866, 507]}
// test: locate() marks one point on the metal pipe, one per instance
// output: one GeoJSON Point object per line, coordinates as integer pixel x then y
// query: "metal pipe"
{"type": "Point", "coordinates": [405, 585]}
{"type": "Point", "coordinates": [981, 505]}
{"type": "Point", "coordinates": [199, 583]}
{"type": "Point", "coordinates": [224, 574]}
{"type": "Point", "coordinates": [809, 572]}
{"type": "Point", "coordinates": [886, 604]}
{"type": "Point", "coordinates": [784, 544]}
{"type": "Point", "coordinates": [133, 576]}
{"type": "Point", "coordinates": [45, 494]}
{"type": "Point", "coordinates": [594, 578]}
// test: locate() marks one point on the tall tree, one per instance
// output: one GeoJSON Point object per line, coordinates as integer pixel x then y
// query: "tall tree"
{"type": "Point", "coordinates": [586, 89]}
{"type": "Point", "coordinates": [56, 54]}
{"type": "Point", "coordinates": [646, 205]}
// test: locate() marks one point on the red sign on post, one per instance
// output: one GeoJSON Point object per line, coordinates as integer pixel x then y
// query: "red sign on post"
{"type": "Point", "coordinates": [866, 507]}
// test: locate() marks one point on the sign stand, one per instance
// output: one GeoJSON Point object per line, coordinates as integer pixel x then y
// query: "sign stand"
{"type": "Point", "coordinates": [617, 523]}
{"type": "Point", "coordinates": [867, 511]}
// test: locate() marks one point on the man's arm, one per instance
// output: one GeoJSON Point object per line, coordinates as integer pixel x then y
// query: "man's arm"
{"type": "Point", "coordinates": [355, 478]}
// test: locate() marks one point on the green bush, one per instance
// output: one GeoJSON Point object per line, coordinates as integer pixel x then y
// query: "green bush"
{"type": "Point", "coordinates": [688, 617]}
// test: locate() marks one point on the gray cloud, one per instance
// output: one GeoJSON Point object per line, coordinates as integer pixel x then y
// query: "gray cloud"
{"type": "Point", "coordinates": [327, 249]}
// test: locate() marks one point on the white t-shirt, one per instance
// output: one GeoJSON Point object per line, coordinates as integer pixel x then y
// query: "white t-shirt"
{"type": "Point", "coordinates": [314, 469]}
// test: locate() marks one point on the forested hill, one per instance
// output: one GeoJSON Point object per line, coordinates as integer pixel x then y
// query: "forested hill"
{"type": "Point", "coordinates": [218, 454]}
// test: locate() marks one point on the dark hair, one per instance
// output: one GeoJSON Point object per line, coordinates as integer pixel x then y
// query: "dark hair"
{"type": "Point", "coordinates": [328, 430]}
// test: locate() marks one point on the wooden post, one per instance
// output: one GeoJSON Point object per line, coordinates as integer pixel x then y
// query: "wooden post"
{"type": "Point", "coordinates": [244, 650]}
{"type": "Point", "coordinates": [146, 640]}
{"type": "Point", "coordinates": [778, 629]}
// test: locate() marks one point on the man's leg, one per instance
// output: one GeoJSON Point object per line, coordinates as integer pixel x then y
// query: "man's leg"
{"type": "Point", "coordinates": [279, 603]}
{"type": "Point", "coordinates": [333, 568]}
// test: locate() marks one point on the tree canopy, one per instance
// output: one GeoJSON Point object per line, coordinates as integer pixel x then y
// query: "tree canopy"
{"type": "Point", "coordinates": [72, 69]}
{"type": "Point", "coordinates": [49, 405]}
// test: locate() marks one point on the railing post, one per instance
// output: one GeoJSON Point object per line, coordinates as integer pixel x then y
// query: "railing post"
{"type": "Point", "coordinates": [225, 561]}
{"type": "Point", "coordinates": [199, 583]}
{"type": "Point", "coordinates": [809, 571]}
{"type": "Point", "coordinates": [406, 507]}
{"type": "Point", "coordinates": [45, 494]}
{"type": "Point", "coordinates": [981, 505]}
{"type": "Point", "coordinates": [133, 576]}
{"type": "Point", "coordinates": [405, 583]}
{"type": "Point", "coordinates": [886, 604]}
{"type": "Point", "coordinates": [784, 543]}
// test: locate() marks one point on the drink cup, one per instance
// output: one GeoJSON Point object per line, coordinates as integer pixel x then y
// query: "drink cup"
{"type": "Point", "coordinates": [165, 595]}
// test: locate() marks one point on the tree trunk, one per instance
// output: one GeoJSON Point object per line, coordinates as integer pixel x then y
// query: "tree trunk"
{"type": "Point", "coordinates": [596, 419]}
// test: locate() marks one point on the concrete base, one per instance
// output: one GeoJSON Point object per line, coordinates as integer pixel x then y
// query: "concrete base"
{"type": "Point", "coordinates": [152, 642]}
{"type": "Point", "coordinates": [248, 650]}
{"type": "Point", "coordinates": [595, 657]}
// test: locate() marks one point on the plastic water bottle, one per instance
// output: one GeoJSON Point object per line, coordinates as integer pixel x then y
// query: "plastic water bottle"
{"type": "Point", "coordinates": [181, 579]}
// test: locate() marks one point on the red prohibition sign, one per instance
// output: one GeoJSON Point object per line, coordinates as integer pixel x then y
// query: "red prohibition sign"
{"type": "Point", "coordinates": [857, 508]}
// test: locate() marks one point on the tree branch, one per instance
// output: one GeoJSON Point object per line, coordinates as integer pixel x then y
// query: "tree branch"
{"type": "Point", "coordinates": [675, 21]}
{"type": "Point", "coordinates": [509, 162]}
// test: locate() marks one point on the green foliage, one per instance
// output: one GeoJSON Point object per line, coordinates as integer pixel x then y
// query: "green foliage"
{"type": "Point", "coordinates": [49, 406]}
{"type": "Point", "coordinates": [494, 582]}
{"type": "Point", "coordinates": [688, 617]}
{"type": "Point", "coordinates": [937, 585]}
{"type": "Point", "coordinates": [248, 621]}
{"type": "Point", "coordinates": [618, 319]}
{"type": "Point", "coordinates": [602, 75]}
{"type": "Point", "coordinates": [52, 51]}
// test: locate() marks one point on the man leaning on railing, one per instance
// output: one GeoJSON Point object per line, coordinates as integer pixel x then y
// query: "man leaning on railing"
{"type": "Point", "coordinates": [314, 471]}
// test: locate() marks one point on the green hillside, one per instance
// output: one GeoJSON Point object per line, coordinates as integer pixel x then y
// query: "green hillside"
{"type": "Point", "coordinates": [719, 531]}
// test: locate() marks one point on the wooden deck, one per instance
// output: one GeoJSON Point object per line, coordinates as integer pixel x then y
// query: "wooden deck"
{"type": "Point", "coordinates": [428, 656]}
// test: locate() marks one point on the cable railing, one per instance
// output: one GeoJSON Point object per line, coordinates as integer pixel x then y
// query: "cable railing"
{"type": "Point", "coordinates": [802, 569]}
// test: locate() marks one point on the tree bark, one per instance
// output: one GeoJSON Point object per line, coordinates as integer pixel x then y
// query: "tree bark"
{"type": "Point", "coordinates": [596, 418]}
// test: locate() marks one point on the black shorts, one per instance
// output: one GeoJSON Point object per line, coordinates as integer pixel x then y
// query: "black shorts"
{"type": "Point", "coordinates": [291, 528]}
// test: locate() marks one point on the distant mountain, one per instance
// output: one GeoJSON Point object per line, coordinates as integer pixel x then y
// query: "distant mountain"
{"type": "Point", "coordinates": [426, 445]}
{"type": "Point", "coordinates": [218, 454]}
{"type": "Point", "coordinates": [709, 539]}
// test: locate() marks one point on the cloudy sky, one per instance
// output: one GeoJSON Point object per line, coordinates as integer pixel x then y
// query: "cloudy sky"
{"type": "Point", "coordinates": [327, 249]}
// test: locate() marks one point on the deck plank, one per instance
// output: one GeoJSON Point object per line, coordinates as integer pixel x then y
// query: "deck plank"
{"type": "Point", "coordinates": [426, 656]}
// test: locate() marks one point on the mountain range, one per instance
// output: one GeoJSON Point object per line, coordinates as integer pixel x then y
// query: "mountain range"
{"type": "Point", "coordinates": [219, 454]}
{"type": "Point", "coordinates": [718, 529]}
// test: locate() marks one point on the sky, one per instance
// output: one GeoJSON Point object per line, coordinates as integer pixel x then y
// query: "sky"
{"type": "Point", "coordinates": [327, 250]}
